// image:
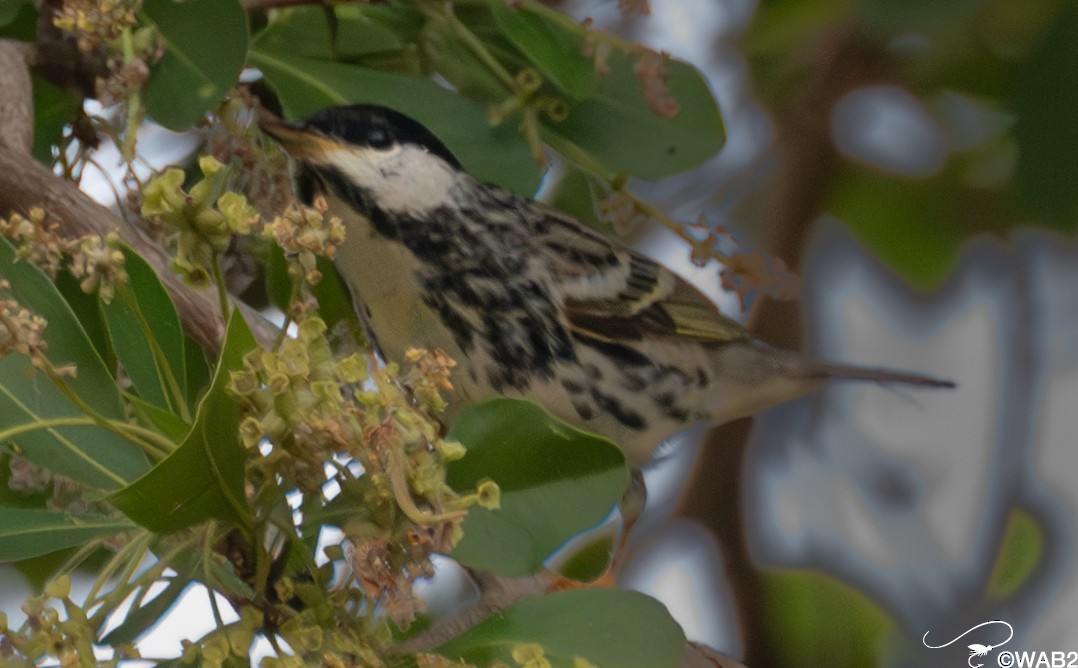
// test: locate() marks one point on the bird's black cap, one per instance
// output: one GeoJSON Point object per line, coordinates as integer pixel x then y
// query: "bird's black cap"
{"type": "Point", "coordinates": [377, 127]}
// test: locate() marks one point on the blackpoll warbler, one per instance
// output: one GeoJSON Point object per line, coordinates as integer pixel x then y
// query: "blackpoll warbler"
{"type": "Point", "coordinates": [530, 302]}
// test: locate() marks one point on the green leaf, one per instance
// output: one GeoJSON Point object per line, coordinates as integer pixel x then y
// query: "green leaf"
{"type": "Point", "coordinates": [127, 325]}
{"type": "Point", "coordinates": [555, 482]}
{"type": "Point", "coordinates": [814, 620]}
{"type": "Point", "coordinates": [164, 421]}
{"type": "Point", "coordinates": [87, 308]}
{"type": "Point", "coordinates": [445, 53]}
{"type": "Point", "coordinates": [90, 455]}
{"type": "Point", "coordinates": [496, 154]}
{"type": "Point", "coordinates": [780, 25]}
{"type": "Point", "coordinates": [1021, 549]}
{"type": "Point", "coordinates": [907, 223]}
{"type": "Point", "coordinates": [1046, 130]}
{"type": "Point", "coordinates": [578, 194]}
{"type": "Point", "coordinates": [334, 304]}
{"type": "Point", "coordinates": [202, 478]}
{"type": "Point", "coordinates": [198, 370]}
{"type": "Point", "coordinates": [605, 627]}
{"type": "Point", "coordinates": [18, 20]}
{"type": "Point", "coordinates": [205, 48]}
{"type": "Point", "coordinates": [305, 31]}
{"type": "Point", "coordinates": [32, 532]}
{"type": "Point", "coordinates": [54, 109]}
{"type": "Point", "coordinates": [618, 130]}
{"type": "Point", "coordinates": [590, 561]}
{"type": "Point", "coordinates": [556, 52]}
{"type": "Point", "coordinates": [278, 281]}
{"type": "Point", "coordinates": [9, 9]}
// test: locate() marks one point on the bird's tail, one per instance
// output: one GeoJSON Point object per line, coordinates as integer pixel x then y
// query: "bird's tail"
{"type": "Point", "coordinates": [878, 375]}
{"type": "Point", "coordinates": [751, 376]}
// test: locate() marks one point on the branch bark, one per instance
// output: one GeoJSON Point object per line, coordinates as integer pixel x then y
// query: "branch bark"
{"type": "Point", "coordinates": [16, 110]}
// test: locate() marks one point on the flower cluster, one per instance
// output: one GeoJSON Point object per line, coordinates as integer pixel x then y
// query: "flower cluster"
{"type": "Point", "coordinates": [597, 49]}
{"type": "Point", "coordinates": [749, 275]}
{"type": "Point", "coordinates": [746, 273]}
{"type": "Point", "coordinates": [201, 221]}
{"type": "Point", "coordinates": [429, 376]}
{"type": "Point", "coordinates": [304, 233]}
{"type": "Point", "coordinates": [110, 27]}
{"type": "Point", "coordinates": [650, 69]}
{"type": "Point", "coordinates": [306, 408]}
{"type": "Point", "coordinates": [21, 331]}
{"type": "Point", "coordinates": [96, 22]}
{"type": "Point", "coordinates": [36, 240]}
{"type": "Point", "coordinates": [98, 262]}
{"type": "Point", "coordinates": [622, 211]}
{"type": "Point", "coordinates": [48, 632]}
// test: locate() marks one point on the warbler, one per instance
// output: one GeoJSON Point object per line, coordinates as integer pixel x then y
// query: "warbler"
{"type": "Point", "coordinates": [529, 301]}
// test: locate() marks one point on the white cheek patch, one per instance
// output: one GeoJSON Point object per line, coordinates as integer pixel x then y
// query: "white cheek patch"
{"type": "Point", "coordinates": [403, 179]}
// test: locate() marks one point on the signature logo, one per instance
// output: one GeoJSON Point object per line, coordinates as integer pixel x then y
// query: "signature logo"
{"type": "Point", "coordinates": [975, 650]}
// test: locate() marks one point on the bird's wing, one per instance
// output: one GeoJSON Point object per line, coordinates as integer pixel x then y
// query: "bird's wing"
{"type": "Point", "coordinates": [612, 293]}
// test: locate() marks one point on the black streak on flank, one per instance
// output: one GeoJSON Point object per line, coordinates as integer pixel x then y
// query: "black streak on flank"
{"type": "Point", "coordinates": [619, 411]}
{"type": "Point", "coordinates": [623, 355]}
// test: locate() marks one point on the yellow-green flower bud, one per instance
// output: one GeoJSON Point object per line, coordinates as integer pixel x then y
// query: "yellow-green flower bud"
{"type": "Point", "coordinates": [242, 383]}
{"type": "Point", "coordinates": [293, 358]}
{"type": "Point", "coordinates": [251, 432]}
{"type": "Point", "coordinates": [205, 191]}
{"type": "Point", "coordinates": [488, 495]}
{"type": "Point", "coordinates": [216, 650]}
{"type": "Point", "coordinates": [310, 329]}
{"type": "Point", "coordinates": [163, 193]}
{"type": "Point", "coordinates": [530, 655]}
{"type": "Point", "coordinates": [192, 274]}
{"type": "Point", "coordinates": [451, 451]}
{"type": "Point", "coordinates": [240, 216]}
{"type": "Point", "coordinates": [352, 369]}
{"type": "Point", "coordinates": [278, 383]}
{"type": "Point", "coordinates": [59, 587]}
{"type": "Point", "coordinates": [210, 165]}
{"type": "Point", "coordinates": [327, 391]}
{"type": "Point", "coordinates": [212, 227]}
{"type": "Point", "coordinates": [309, 638]}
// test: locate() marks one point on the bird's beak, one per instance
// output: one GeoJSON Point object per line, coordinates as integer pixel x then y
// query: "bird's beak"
{"type": "Point", "coordinates": [300, 143]}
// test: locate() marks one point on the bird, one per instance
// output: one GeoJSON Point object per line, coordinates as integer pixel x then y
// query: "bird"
{"type": "Point", "coordinates": [529, 301]}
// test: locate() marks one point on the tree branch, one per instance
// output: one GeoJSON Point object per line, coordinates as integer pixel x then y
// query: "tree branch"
{"type": "Point", "coordinates": [16, 110]}
{"type": "Point", "coordinates": [25, 183]}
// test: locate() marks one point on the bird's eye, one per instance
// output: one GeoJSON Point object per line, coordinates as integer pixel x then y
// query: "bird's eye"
{"type": "Point", "coordinates": [379, 139]}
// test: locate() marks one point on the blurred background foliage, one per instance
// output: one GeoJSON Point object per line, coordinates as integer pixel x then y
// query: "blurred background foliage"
{"type": "Point", "coordinates": [985, 89]}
